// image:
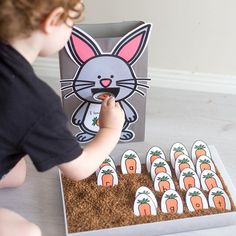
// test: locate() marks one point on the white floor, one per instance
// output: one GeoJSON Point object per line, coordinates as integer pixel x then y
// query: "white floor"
{"type": "Point", "coordinates": [172, 115]}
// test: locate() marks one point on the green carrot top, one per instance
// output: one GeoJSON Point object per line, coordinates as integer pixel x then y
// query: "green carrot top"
{"type": "Point", "coordinates": [130, 156]}
{"type": "Point", "coordinates": [199, 147]}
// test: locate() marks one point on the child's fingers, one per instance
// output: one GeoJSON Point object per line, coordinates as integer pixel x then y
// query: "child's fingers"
{"type": "Point", "coordinates": [111, 101]}
{"type": "Point", "coordinates": [105, 101]}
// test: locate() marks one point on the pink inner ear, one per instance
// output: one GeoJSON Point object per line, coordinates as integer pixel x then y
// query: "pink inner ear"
{"type": "Point", "coordinates": [129, 50]}
{"type": "Point", "coordinates": [83, 49]}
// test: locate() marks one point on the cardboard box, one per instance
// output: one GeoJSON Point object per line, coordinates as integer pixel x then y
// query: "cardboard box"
{"type": "Point", "coordinates": [106, 37]}
{"type": "Point", "coordinates": [172, 226]}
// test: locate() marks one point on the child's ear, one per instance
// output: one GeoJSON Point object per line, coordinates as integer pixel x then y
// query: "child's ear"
{"type": "Point", "coordinates": [52, 20]}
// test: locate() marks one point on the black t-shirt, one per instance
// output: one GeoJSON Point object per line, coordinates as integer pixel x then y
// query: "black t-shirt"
{"type": "Point", "coordinates": [31, 118]}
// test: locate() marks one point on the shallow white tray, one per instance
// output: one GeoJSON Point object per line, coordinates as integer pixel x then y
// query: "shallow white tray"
{"type": "Point", "coordinates": [171, 226]}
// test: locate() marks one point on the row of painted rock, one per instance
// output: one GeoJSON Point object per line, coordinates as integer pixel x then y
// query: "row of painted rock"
{"type": "Point", "coordinates": [198, 171]}
{"type": "Point", "coordinates": [160, 170]}
{"type": "Point", "coordinates": [192, 174]}
{"type": "Point", "coordinates": [145, 203]}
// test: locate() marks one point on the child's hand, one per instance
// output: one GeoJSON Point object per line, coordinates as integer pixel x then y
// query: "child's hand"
{"type": "Point", "coordinates": [111, 114]}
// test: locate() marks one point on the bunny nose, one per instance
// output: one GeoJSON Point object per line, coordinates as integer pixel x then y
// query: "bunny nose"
{"type": "Point", "coordinates": [105, 82]}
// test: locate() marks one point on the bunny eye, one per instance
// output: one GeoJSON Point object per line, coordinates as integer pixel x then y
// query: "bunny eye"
{"type": "Point", "coordinates": [112, 76]}
{"type": "Point", "coordinates": [99, 76]}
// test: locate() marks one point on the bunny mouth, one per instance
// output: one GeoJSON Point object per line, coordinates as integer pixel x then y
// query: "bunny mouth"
{"type": "Point", "coordinates": [106, 91]}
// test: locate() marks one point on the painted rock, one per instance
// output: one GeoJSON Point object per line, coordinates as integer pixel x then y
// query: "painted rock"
{"type": "Point", "coordinates": [107, 176]}
{"type": "Point", "coordinates": [163, 182]}
{"type": "Point", "coordinates": [218, 198]}
{"type": "Point", "coordinates": [199, 149]}
{"type": "Point", "coordinates": [188, 179]}
{"type": "Point", "coordinates": [153, 153]}
{"type": "Point", "coordinates": [171, 202]}
{"type": "Point", "coordinates": [130, 163]}
{"type": "Point", "coordinates": [160, 166]}
{"type": "Point", "coordinates": [196, 200]}
{"type": "Point", "coordinates": [176, 150]}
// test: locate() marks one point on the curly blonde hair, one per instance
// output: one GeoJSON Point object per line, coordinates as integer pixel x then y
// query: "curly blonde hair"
{"type": "Point", "coordinates": [22, 17]}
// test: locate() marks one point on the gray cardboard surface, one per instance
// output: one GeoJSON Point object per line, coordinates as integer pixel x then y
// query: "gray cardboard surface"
{"type": "Point", "coordinates": [107, 35]}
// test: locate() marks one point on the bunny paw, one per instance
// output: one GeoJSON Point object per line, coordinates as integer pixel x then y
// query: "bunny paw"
{"type": "Point", "coordinates": [126, 135]}
{"type": "Point", "coordinates": [84, 137]}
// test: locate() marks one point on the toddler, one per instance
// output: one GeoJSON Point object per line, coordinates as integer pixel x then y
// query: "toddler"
{"type": "Point", "coordinates": [31, 118]}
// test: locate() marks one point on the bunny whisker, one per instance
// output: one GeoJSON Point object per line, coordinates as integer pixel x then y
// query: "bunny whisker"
{"type": "Point", "coordinates": [126, 86]}
{"type": "Point", "coordinates": [66, 81]}
{"type": "Point", "coordinates": [138, 84]}
{"type": "Point", "coordinates": [143, 85]}
{"type": "Point", "coordinates": [66, 87]}
{"type": "Point", "coordinates": [77, 85]}
{"type": "Point", "coordinates": [85, 81]}
{"type": "Point", "coordinates": [69, 94]}
{"type": "Point", "coordinates": [147, 79]}
{"type": "Point", "coordinates": [132, 79]}
{"type": "Point", "coordinates": [131, 88]}
{"type": "Point", "coordinates": [140, 92]}
{"type": "Point", "coordinates": [89, 86]}
{"type": "Point", "coordinates": [81, 85]}
{"type": "Point", "coordinates": [75, 91]}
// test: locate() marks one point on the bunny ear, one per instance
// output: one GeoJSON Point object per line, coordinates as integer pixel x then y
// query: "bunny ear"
{"type": "Point", "coordinates": [132, 45]}
{"type": "Point", "coordinates": [81, 46]}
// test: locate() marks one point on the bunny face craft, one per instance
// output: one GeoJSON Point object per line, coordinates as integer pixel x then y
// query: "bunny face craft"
{"type": "Point", "coordinates": [102, 74]}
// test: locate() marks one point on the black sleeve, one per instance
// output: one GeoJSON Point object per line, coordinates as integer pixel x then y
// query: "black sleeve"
{"type": "Point", "coordinates": [50, 143]}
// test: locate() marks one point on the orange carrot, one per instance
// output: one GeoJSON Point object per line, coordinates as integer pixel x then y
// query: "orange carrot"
{"type": "Point", "coordinates": [205, 165]}
{"type": "Point", "coordinates": [178, 151]}
{"type": "Point", "coordinates": [130, 163]}
{"type": "Point", "coordinates": [189, 180]}
{"type": "Point", "coordinates": [196, 200]}
{"type": "Point", "coordinates": [155, 155]}
{"type": "Point", "coordinates": [160, 167]}
{"type": "Point", "coordinates": [200, 150]}
{"type": "Point", "coordinates": [171, 203]}
{"type": "Point", "coordinates": [163, 184]}
{"type": "Point", "coordinates": [219, 200]}
{"type": "Point", "coordinates": [183, 164]}
{"type": "Point", "coordinates": [144, 208]}
{"type": "Point", "coordinates": [210, 181]}
{"type": "Point", "coordinates": [107, 178]}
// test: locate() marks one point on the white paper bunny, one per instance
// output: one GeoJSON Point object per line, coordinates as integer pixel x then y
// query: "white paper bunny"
{"type": "Point", "coordinates": [100, 72]}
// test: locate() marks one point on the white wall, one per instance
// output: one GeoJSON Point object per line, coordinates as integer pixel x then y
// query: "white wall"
{"type": "Point", "coordinates": [192, 46]}
{"type": "Point", "coordinates": [188, 35]}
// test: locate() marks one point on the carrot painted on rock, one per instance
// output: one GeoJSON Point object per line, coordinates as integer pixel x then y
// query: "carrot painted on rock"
{"type": "Point", "coordinates": [219, 200]}
{"type": "Point", "coordinates": [130, 163]}
{"type": "Point", "coordinates": [205, 165]}
{"type": "Point", "coordinates": [178, 151]}
{"type": "Point", "coordinates": [159, 167]}
{"type": "Point", "coordinates": [171, 203]}
{"type": "Point", "coordinates": [164, 184]}
{"type": "Point", "coordinates": [189, 180]}
{"type": "Point", "coordinates": [155, 155]}
{"type": "Point", "coordinates": [184, 163]}
{"type": "Point", "coordinates": [107, 178]}
{"type": "Point", "coordinates": [144, 208]}
{"type": "Point", "coordinates": [196, 200]}
{"type": "Point", "coordinates": [200, 150]}
{"type": "Point", "coordinates": [210, 181]}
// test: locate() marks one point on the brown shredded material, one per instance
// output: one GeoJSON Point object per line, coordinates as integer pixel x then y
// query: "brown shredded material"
{"type": "Point", "coordinates": [93, 207]}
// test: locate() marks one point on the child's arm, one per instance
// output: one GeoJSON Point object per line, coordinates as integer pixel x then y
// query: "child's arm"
{"type": "Point", "coordinates": [111, 121]}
